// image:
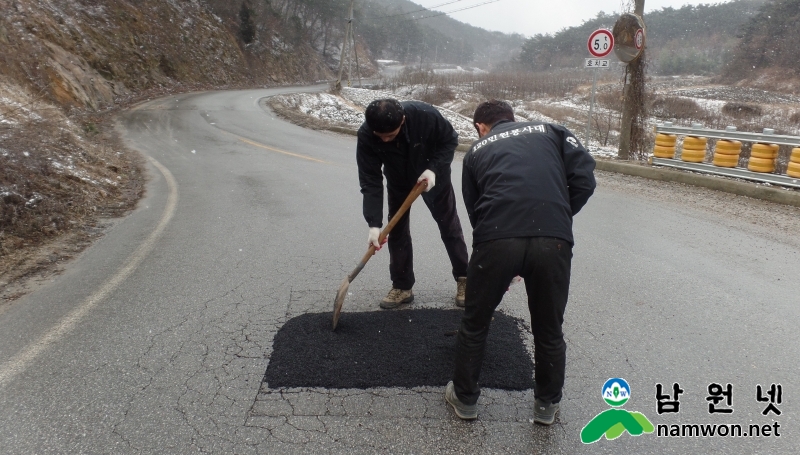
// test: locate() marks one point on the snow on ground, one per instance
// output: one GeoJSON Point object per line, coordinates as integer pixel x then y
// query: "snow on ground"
{"type": "Point", "coordinates": [737, 94]}
{"type": "Point", "coordinates": [572, 109]}
{"type": "Point", "coordinates": [348, 111]}
{"type": "Point", "coordinates": [325, 106]}
{"type": "Point", "coordinates": [16, 108]}
{"type": "Point", "coordinates": [459, 70]}
{"type": "Point", "coordinates": [74, 171]}
{"type": "Point", "coordinates": [16, 105]}
{"type": "Point", "coordinates": [362, 97]}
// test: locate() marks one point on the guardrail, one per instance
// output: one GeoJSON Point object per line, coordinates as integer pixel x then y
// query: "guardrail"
{"type": "Point", "coordinates": [726, 155]}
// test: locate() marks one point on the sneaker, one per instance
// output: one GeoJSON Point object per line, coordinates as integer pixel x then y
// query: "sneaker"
{"type": "Point", "coordinates": [397, 297]}
{"type": "Point", "coordinates": [545, 413]}
{"type": "Point", "coordinates": [461, 291]}
{"type": "Point", "coordinates": [464, 411]}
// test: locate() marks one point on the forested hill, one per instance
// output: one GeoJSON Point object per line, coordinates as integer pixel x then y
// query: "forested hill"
{"type": "Point", "coordinates": [769, 44]}
{"type": "Point", "coordinates": [688, 40]}
{"type": "Point", "coordinates": [395, 29]}
{"type": "Point", "coordinates": [100, 51]}
{"type": "Point", "coordinates": [403, 30]}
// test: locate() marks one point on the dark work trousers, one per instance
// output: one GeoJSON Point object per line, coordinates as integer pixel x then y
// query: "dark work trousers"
{"type": "Point", "coordinates": [441, 202]}
{"type": "Point", "coordinates": [544, 263]}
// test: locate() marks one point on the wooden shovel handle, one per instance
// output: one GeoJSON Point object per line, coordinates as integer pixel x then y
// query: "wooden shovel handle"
{"type": "Point", "coordinates": [419, 188]}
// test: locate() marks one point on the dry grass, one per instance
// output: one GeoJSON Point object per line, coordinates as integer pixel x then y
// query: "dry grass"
{"type": "Point", "coordinates": [742, 110]}
{"type": "Point", "coordinates": [292, 114]}
{"type": "Point", "coordinates": [439, 95]}
{"type": "Point", "coordinates": [66, 67]}
{"type": "Point", "coordinates": [58, 176]}
{"type": "Point", "coordinates": [467, 109]}
{"type": "Point", "coordinates": [609, 99]}
{"type": "Point", "coordinates": [499, 85]}
{"type": "Point", "coordinates": [561, 114]}
{"type": "Point", "coordinates": [673, 107]}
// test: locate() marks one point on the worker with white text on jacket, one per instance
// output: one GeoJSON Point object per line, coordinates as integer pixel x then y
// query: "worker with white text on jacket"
{"type": "Point", "coordinates": [523, 182]}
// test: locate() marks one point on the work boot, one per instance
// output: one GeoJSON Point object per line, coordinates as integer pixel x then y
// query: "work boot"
{"type": "Point", "coordinates": [464, 411]}
{"type": "Point", "coordinates": [461, 291]}
{"type": "Point", "coordinates": [545, 413]}
{"type": "Point", "coordinates": [397, 297]}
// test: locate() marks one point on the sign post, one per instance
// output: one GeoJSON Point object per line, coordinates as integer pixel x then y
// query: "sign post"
{"type": "Point", "coordinates": [600, 44]}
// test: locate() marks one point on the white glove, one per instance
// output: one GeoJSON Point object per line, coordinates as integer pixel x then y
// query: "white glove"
{"type": "Point", "coordinates": [430, 177]}
{"type": "Point", "coordinates": [374, 236]}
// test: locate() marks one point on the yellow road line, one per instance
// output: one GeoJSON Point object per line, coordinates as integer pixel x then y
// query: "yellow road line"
{"type": "Point", "coordinates": [256, 144]}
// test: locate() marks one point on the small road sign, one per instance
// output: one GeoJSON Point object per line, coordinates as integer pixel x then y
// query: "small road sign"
{"type": "Point", "coordinates": [601, 43]}
{"type": "Point", "coordinates": [638, 39]}
{"type": "Point", "coordinates": [597, 63]}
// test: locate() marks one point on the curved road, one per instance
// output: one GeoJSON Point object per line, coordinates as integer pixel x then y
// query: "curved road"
{"type": "Point", "coordinates": [156, 339]}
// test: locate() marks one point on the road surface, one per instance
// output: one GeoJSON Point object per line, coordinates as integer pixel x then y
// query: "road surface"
{"type": "Point", "coordinates": [157, 338]}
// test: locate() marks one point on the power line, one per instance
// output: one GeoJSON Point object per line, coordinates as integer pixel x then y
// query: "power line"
{"type": "Point", "coordinates": [455, 11]}
{"type": "Point", "coordinates": [420, 10]}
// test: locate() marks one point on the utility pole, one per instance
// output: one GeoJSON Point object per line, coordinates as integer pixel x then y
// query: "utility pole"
{"type": "Point", "coordinates": [633, 93]}
{"type": "Point", "coordinates": [355, 52]}
{"type": "Point", "coordinates": [344, 45]}
{"type": "Point", "coordinates": [350, 57]}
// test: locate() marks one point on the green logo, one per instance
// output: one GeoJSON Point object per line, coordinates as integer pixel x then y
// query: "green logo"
{"type": "Point", "coordinates": [613, 422]}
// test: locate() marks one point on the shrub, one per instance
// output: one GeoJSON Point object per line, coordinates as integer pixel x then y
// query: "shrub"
{"type": "Point", "coordinates": [439, 95]}
{"type": "Point", "coordinates": [610, 99]}
{"type": "Point", "coordinates": [673, 107]}
{"type": "Point", "coordinates": [742, 110]}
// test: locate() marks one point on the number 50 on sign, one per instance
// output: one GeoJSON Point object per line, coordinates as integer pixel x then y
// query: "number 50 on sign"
{"type": "Point", "coordinates": [601, 43]}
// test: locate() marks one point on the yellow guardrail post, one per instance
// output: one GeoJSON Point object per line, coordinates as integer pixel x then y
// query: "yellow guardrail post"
{"type": "Point", "coordinates": [665, 145]}
{"type": "Point", "coordinates": [726, 153]}
{"type": "Point", "coordinates": [762, 157]}
{"type": "Point", "coordinates": [694, 149]}
{"type": "Point", "coordinates": [762, 162]}
{"type": "Point", "coordinates": [794, 163]}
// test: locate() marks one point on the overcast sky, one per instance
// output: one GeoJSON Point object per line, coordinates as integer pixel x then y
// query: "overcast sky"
{"type": "Point", "coordinates": [530, 17]}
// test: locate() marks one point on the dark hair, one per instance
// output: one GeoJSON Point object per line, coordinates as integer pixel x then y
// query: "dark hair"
{"type": "Point", "coordinates": [384, 116]}
{"type": "Point", "coordinates": [492, 111]}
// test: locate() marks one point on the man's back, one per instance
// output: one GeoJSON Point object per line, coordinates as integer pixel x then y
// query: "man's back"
{"type": "Point", "coordinates": [526, 179]}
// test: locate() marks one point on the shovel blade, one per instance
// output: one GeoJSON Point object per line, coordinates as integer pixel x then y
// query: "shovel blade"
{"type": "Point", "coordinates": [339, 301]}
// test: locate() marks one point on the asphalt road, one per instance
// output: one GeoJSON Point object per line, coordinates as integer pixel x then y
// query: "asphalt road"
{"type": "Point", "coordinates": [156, 339]}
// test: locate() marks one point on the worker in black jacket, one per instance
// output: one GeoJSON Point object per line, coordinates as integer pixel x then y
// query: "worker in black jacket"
{"type": "Point", "coordinates": [410, 141]}
{"type": "Point", "coordinates": [523, 182]}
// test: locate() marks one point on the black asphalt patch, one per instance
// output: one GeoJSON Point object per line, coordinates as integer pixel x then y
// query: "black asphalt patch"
{"type": "Point", "coordinates": [406, 348]}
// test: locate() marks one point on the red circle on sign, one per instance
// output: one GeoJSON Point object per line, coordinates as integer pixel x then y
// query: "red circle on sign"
{"type": "Point", "coordinates": [638, 39]}
{"type": "Point", "coordinates": [601, 43]}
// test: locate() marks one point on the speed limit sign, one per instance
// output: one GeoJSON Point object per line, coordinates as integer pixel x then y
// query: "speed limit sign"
{"type": "Point", "coordinates": [601, 43]}
{"type": "Point", "coordinates": [638, 39]}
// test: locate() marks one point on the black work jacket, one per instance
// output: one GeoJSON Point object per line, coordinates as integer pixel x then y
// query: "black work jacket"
{"type": "Point", "coordinates": [426, 141]}
{"type": "Point", "coordinates": [526, 179]}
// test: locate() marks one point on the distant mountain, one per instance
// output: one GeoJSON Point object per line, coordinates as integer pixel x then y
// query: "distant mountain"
{"type": "Point", "coordinates": [688, 40]}
{"type": "Point", "coordinates": [430, 36]}
{"type": "Point", "coordinates": [768, 43]}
